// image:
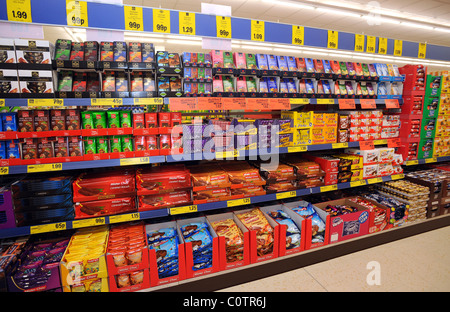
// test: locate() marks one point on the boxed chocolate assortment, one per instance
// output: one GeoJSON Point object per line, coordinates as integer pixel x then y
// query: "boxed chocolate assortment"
{"type": "Point", "coordinates": [36, 83]}
{"type": "Point", "coordinates": [33, 54]}
{"type": "Point", "coordinates": [9, 83]}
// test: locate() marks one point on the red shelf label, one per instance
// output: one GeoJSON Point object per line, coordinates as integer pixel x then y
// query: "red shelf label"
{"type": "Point", "coordinates": [366, 145]}
{"type": "Point", "coordinates": [394, 142]}
{"type": "Point", "coordinates": [390, 103]}
{"type": "Point", "coordinates": [368, 104]}
{"type": "Point", "coordinates": [347, 104]}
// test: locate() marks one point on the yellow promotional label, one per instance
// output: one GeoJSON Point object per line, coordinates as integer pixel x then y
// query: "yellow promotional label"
{"type": "Point", "coordinates": [257, 30]}
{"type": "Point", "coordinates": [340, 145]}
{"type": "Point", "coordinates": [398, 47]}
{"type": "Point", "coordinates": [134, 161]}
{"type": "Point", "coordinates": [227, 154]}
{"type": "Point", "coordinates": [430, 160]}
{"type": "Point", "coordinates": [44, 228]}
{"type": "Point", "coordinates": [397, 176]}
{"type": "Point", "coordinates": [298, 35]}
{"type": "Point", "coordinates": [161, 21]}
{"type": "Point", "coordinates": [238, 202]}
{"type": "Point", "coordinates": [88, 222]}
{"type": "Point", "coordinates": [299, 101]}
{"type": "Point", "coordinates": [357, 183]}
{"type": "Point", "coordinates": [380, 142]}
{"type": "Point", "coordinates": [186, 23]}
{"type": "Point", "coordinates": [296, 149]}
{"type": "Point", "coordinates": [374, 180]}
{"type": "Point", "coordinates": [371, 44]}
{"type": "Point", "coordinates": [184, 209]}
{"type": "Point", "coordinates": [44, 167]}
{"type": "Point", "coordinates": [223, 26]}
{"type": "Point", "coordinates": [77, 14]}
{"type": "Point", "coordinates": [4, 170]}
{"type": "Point", "coordinates": [333, 39]}
{"type": "Point", "coordinates": [382, 45]}
{"type": "Point", "coordinates": [422, 50]}
{"type": "Point", "coordinates": [328, 188]}
{"type": "Point", "coordinates": [359, 43]}
{"type": "Point", "coordinates": [106, 102]}
{"type": "Point", "coordinates": [134, 19]}
{"type": "Point", "coordinates": [19, 11]}
{"type": "Point", "coordinates": [148, 101]}
{"type": "Point", "coordinates": [325, 101]}
{"type": "Point", "coordinates": [45, 102]}
{"type": "Point", "coordinates": [284, 195]}
{"type": "Point", "coordinates": [412, 162]}
{"type": "Point", "coordinates": [125, 217]}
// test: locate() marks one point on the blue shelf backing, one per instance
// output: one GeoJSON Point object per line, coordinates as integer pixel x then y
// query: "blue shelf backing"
{"type": "Point", "coordinates": [111, 16]}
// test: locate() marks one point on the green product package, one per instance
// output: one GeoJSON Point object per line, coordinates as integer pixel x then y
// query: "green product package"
{"type": "Point", "coordinates": [99, 120]}
{"type": "Point", "coordinates": [90, 146]}
{"type": "Point", "coordinates": [343, 67]}
{"type": "Point", "coordinates": [127, 143]}
{"type": "Point", "coordinates": [113, 119]}
{"type": "Point", "coordinates": [86, 120]}
{"type": "Point", "coordinates": [102, 144]}
{"type": "Point", "coordinates": [125, 119]}
{"type": "Point", "coordinates": [63, 48]}
{"type": "Point", "coordinates": [251, 61]}
{"type": "Point", "coordinates": [228, 85]}
{"type": "Point", "coordinates": [65, 79]}
{"type": "Point", "coordinates": [228, 59]}
{"type": "Point", "coordinates": [115, 143]}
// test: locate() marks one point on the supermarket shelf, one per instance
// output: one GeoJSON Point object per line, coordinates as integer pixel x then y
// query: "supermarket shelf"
{"type": "Point", "coordinates": [252, 272]}
{"type": "Point", "coordinates": [426, 161]}
{"type": "Point", "coordinates": [144, 215]}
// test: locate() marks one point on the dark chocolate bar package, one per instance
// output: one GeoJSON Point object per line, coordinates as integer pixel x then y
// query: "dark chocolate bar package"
{"type": "Point", "coordinates": [120, 51]}
{"type": "Point", "coordinates": [62, 49]}
{"type": "Point", "coordinates": [77, 52]}
{"type": "Point", "coordinates": [65, 80]}
{"type": "Point", "coordinates": [41, 186]}
{"type": "Point", "coordinates": [91, 51]}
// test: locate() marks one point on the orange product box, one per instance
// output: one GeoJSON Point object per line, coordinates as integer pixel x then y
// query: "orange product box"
{"type": "Point", "coordinates": [189, 231]}
{"type": "Point", "coordinates": [300, 222]}
{"type": "Point", "coordinates": [162, 249]}
{"type": "Point", "coordinates": [317, 136]}
{"type": "Point", "coordinates": [130, 281]}
{"type": "Point", "coordinates": [264, 234]}
{"type": "Point", "coordinates": [313, 231]}
{"type": "Point", "coordinates": [234, 240]}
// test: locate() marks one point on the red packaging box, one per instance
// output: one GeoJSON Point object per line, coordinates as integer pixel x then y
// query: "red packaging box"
{"type": "Point", "coordinates": [163, 179]}
{"type": "Point", "coordinates": [347, 226]}
{"type": "Point", "coordinates": [327, 164]}
{"type": "Point", "coordinates": [309, 227]}
{"type": "Point", "coordinates": [190, 273]}
{"type": "Point", "coordinates": [257, 237]}
{"type": "Point", "coordinates": [155, 280]}
{"type": "Point", "coordinates": [379, 215]}
{"type": "Point", "coordinates": [331, 178]}
{"type": "Point", "coordinates": [124, 282]}
{"type": "Point", "coordinates": [224, 263]}
{"type": "Point", "coordinates": [138, 120]}
{"type": "Point", "coordinates": [175, 118]}
{"type": "Point", "coordinates": [164, 120]}
{"type": "Point", "coordinates": [151, 120]}
{"type": "Point", "coordinates": [104, 207]}
{"type": "Point", "coordinates": [158, 201]}
{"type": "Point", "coordinates": [299, 222]}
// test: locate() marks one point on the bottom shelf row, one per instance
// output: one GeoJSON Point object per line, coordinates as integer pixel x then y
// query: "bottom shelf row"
{"type": "Point", "coordinates": [137, 256]}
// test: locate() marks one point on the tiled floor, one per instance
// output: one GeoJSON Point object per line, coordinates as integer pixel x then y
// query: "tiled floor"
{"type": "Point", "coordinates": [417, 263]}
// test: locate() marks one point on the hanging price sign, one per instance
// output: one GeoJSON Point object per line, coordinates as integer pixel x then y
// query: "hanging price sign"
{"type": "Point", "coordinates": [161, 21]}
{"type": "Point", "coordinates": [134, 20]}
{"type": "Point", "coordinates": [359, 43]}
{"type": "Point", "coordinates": [333, 39]}
{"type": "Point", "coordinates": [382, 45]}
{"type": "Point", "coordinates": [422, 50]}
{"type": "Point", "coordinates": [19, 11]}
{"type": "Point", "coordinates": [371, 44]}
{"type": "Point", "coordinates": [298, 35]}
{"type": "Point", "coordinates": [77, 14]}
{"type": "Point", "coordinates": [223, 26]}
{"type": "Point", "coordinates": [186, 20]}
{"type": "Point", "coordinates": [398, 47]}
{"type": "Point", "coordinates": [257, 30]}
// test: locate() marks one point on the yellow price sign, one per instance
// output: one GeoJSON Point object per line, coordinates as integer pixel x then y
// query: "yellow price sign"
{"type": "Point", "coordinates": [223, 27]}
{"type": "Point", "coordinates": [328, 188]}
{"type": "Point", "coordinates": [88, 222]}
{"type": "Point", "coordinates": [134, 161]}
{"type": "Point", "coordinates": [161, 21]}
{"type": "Point", "coordinates": [298, 35]}
{"type": "Point", "coordinates": [19, 11]}
{"type": "Point", "coordinates": [2, 102]}
{"type": "Point", "coordinates": [359, 43]}
{"type": "Point", "coordinates": [382, 45]}
{"type": "Point", "coordinates": [4, 170]}
{"type": "Point", "coordinates": [298, 101]}
{"type": "Point", "coordinates": [77, 14]}
{"type": "Point", "coordinates": [257, 30]}
{"type": "Point", "coordinates": [380, 142]}
{"type": "Point", "coordinates": [430, 160]}
{"type": "Point", "coordinates": [238, 202]}
{"type": "Point", "coordinates": [186, 21]}
{"type": "Point", "coordinates": [227, 154]}
{"type": "Point", "coordinates": [422, 50]}
{"type": "Point", "coordinates": [339, 145]}
{"type": "Point", "coordinates": [134, 18]}
{"type": "Point", "coordinates": [148, 101]}
{"type": "Point", "coordinates": [333, 39]}
{"type": "Point", "coordinates": [357, 183]}
{"type": "Point", "coordinates": [374, 180]}
{"type": "Point", "coordinates": [44, 167]}
{"type": "Point", "coordinates": [44, 228]}
{"type": "Point", "coordinates": [106, 101]}
{"type": "Point", "coordinates": [296, 149]}
{"type": "Point", "coordinates": [284, 195]}
{"type": "Point", "coordinates": [45, 102]}
{"type": "Point", "coordinates": [397, 176]}
{"type": "Point", "coordinates": [325, 101]}
{"type": "Point", "coordinates": [125, 217]}
{"type": "Point", "coordinates": [371, 44]}
{"type": "Point", "coordinates": [184, 209]}
{"type": "Point", "coordinates": [398, 47]}
{"type": "Point", "coordinates": [412, 162]}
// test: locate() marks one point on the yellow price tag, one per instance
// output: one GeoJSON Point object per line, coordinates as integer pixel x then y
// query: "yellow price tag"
{"type": "Point", "coordinates": [339, 145]}
{"type": "Point", "coordinates": [371, 44]}
{"type": "Point", "coordinates": [422, 50]}
{"type": "Point", "coordinates": [88, 222]}
{"type": "Point", "coordinates": [44, 167]}
{"type": "Point", "coordinates": [430, 160]}
{"type": "Point", "coordinates": [184, 209]}
{"type": "Point", "coordinates": [382, 45]}
{"type": "Point", "coordinates": [19, 11]}
{"type": "Point", "coordinates": [398, 47]}
{"type": "Point", "coordinates": [325, 101]}
{"type": "Point", "coordinates": [412, 162]}
{"type": "Point", "coordinates": [374, 180]}
{"type": "Point", "coordinates": [357, 183]}
{"type": "Point", "coordinates": [284, 195]}
{"type": "Point", "coordinates": [134, 19]}
{"type": "Point", "coordinates": [296, 149]}
{"type": "Point", "coordinates": [397, 176]}
{"type": "Point", "coordinates": [223, 27]}
{"type": "Point", "coordinates": [45, 102]}
{"type": "Point", "coordinates": [44, 228]}
{"type": "Point", "coordinates": [148, 101]}
{"type": "Point", "coordinates": [333, 39]}
{"type": "Point", "coordinates": [4, 170]}
{"type": "Point", "coordinates": [186, 20]}
{"type": "Point", "coordinates": [77, 14]}
{"type": "Point", "coordinates": [359, 43]}
{"type": "Point", "coordinates": [227, 154]}
{"type": "Point", "coordinates": [328, 188]}
{"type": "Point", "coordinates": [125, 217]}
{"type": "Point", "coordinates": [298, 35]}
{"type": "Point", "coordinates": [380, 142]}
{"type": "Point", "coordinates": [106, 102]}
{"type": "Point", "coordinates": [134, 161]}
{"type": "Point", "coordinates": [257, 30]}
{"type": "Point", "coordinates": [299, 101]}
{"type": "Point", "coordinates": [238, 202]}
{"type": "Point", "coordinates": [2, 102]}
{"type": "Point", "coordinates": [161, 21]}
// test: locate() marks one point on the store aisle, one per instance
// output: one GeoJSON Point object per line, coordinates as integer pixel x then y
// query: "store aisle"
{"type": "Point", "coordinates": [417, 263]}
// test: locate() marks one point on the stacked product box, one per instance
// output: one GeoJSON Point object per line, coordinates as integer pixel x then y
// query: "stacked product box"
{"type": "Point", "coordinates": [83, 266]}
{"type": "Point", "coordinates": [279, 177]}
{"type": "Point", "coordinates": [9, 77]}
{"type": "Point", "coordinates": [307, 171]}
{"type": "Point", "coordinates": [37, 267]}
{"type": "Point", "coordinates": [104, 193]}
{"type": "Point", "coordinates": [351, 168]}
{"type": "Point", "coordinates": [330, 166]}
{"type": "Point", "coordinates": [442, 135]}
{"type": "Point", "coordinates": [372, 125]}
{"type": "Point", "coordinates": [197, 74]}
{"type": "Point", "coordinates": [9, 252]}
{"type": "Point", "coordinates": [127, 258]}
{"type": "Point", "coordinates": [42, 200]}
